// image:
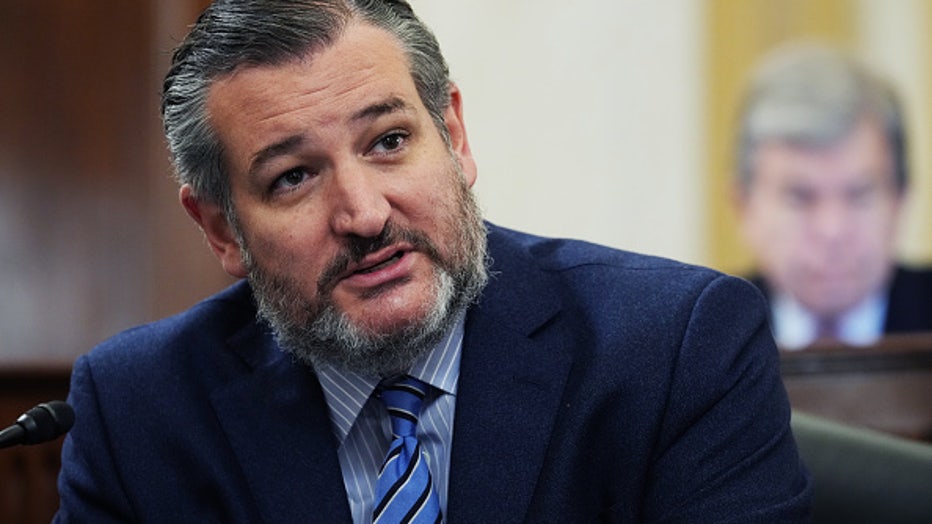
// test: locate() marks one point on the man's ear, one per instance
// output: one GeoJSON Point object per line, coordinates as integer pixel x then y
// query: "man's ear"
{"type": "Point", "coordinates": [747, 214]}
{"type": "Point", "coordinates": [217, 229]}
{"type": "Point", "coordinates": [453, 119]}
{"type": "Point", "coordinates": [739, 195]}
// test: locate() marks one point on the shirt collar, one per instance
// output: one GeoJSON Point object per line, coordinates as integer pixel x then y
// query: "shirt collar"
{"type": "Point", "coordinates": [347, 392]}
{"type": "Point", "coordinates": [795, 326]}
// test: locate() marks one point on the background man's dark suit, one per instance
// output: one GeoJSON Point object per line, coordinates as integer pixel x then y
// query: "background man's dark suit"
{"type": "Point", "coordinates": [910, 299]}
{"type": "Point", "coordinates": [594, 384]}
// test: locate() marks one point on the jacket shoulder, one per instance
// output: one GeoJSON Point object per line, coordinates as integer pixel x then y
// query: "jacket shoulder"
{"type": "Point", "coordinates": [611, 289]}
{"type": "Point", "coordinates": [586, 263]}
{"type": "Point", "coordinates": [195, 332]}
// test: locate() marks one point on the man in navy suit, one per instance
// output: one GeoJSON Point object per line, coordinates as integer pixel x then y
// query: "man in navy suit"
{"type": "Point", "coordinates": [320, 146]}
{"type": "Point", "coordinates": [822, 181]}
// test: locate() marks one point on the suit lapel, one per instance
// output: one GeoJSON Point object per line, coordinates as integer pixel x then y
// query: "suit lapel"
{"type": "Point", "coordinates": [275, 418]}
{"type": "Point", "coordinates": [513, 371]}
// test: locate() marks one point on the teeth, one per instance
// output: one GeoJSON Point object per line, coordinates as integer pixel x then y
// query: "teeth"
{"type": "Point", "coordinates": [380, 265]}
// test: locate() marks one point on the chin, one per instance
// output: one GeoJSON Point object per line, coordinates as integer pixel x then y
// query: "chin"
{"type": "Point", "coordinates": [387, 322]}
{"type": "Point", "coordinates": [391, 310]}
{"type": "Point", "coordinates": [834, 306]}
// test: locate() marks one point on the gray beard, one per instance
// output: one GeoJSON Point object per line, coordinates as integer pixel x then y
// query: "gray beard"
{"type": "Point", "coordinates": [318, 332]}
{"type": "Point", "coordinates": [332, 338]}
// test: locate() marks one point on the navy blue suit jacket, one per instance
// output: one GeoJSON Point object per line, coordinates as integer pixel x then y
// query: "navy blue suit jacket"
{"type": "Point", "coordinates": [594, 385]}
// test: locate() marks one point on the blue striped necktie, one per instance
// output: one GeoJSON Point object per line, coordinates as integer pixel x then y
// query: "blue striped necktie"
{"type": "Point", "coordinates": [404, 492]}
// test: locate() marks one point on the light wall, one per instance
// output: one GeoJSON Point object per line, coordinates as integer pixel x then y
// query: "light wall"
{"type": "Point", "coordinates": [611, 120]}
{"type": "Point", "coordinates": [584, 117]}
{"type": "Point", "coordinates": [895, 40]}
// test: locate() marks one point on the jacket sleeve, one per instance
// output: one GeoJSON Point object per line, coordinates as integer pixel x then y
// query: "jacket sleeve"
{"type": "Point", "coordinates": [89, 485]}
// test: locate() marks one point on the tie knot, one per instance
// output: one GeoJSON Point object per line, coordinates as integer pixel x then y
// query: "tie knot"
{"type": "Point", "coordinates": [403, 399]}
{"type": "Point", "coordinates": [826, 329]}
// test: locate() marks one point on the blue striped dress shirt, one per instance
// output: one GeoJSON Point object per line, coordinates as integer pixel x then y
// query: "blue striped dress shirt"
{"type": "Point", "coordinates": [363, 431]}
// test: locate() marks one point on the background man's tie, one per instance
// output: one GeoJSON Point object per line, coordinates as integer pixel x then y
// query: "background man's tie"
{"type": "Point", "coordinates": [827, 332]}
{"type": "Point", "coordinates": [404, 492]}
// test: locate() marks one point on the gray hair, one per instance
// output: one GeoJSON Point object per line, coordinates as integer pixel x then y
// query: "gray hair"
{"type": "Point", "coordinates": [234, 33]}
{"type": "Point", "coordinates": [805, 94]}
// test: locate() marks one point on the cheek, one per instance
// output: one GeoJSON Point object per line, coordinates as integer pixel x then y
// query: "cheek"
{"type": "Point", "coordinates": [433, 199]}
{"type": "Point", "coordinates": [778, 243]}
{"type": "Point", "coordinates": [287, 248]}
{"type": "Point", "coordinates": [770, 229]}
{"type": "Point", "coordinates": [878, 245]}
{"type": "Point", "coordinates": [876, 229]}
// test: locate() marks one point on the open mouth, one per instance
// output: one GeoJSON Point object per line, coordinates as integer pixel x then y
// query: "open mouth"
{"type": "Point", "coordinates": [385, 263]}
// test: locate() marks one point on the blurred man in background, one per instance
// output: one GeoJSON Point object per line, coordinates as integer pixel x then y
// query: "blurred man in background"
{"type": "Point", "coordinates": [822, 179]}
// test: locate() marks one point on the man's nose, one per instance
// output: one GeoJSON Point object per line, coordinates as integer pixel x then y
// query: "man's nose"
{"type": "Point", "coordinates": [359, 205]}
{"type": "Point", "coordinates": [831, 220]}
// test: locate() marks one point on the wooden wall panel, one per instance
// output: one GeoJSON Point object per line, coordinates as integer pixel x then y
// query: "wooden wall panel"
{"type": "Point", "coordinates": [28, 474]}
{"type": "Point", "coordinates": [92, 239]}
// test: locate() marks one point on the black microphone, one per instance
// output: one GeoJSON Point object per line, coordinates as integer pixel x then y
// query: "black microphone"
{"type": "Point", "coordinates": [43, 423]}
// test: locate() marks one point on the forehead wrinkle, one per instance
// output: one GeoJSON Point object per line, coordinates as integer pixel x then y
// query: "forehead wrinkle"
{"type": "Point", "coordinates": [261, 99]}
{"type": "Point", "coordinates": [392, 104]}
{"type": "Point", "coordinates": [335, 92]}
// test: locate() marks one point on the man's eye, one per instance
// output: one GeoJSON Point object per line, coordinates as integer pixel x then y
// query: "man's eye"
{"type": "Point", "coordinates": [800, 197]}
{"type": "Point", "coordinates": [390, 142]}
{"type": "Point", "coordinates": [860, 196]}
{"type": "Point", "coordinates": [290, 179]}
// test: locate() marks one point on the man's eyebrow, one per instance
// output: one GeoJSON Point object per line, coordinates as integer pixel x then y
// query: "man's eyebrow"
{"type": "Point", "coordinates": [391, 105]}
{"type": "Point", "coordinates": [282, 147]}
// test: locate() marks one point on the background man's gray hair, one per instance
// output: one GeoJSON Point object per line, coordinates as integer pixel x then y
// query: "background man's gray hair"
{"type": "Point", "coordinates": [810, 95]}
{"type": "Point", "coordinates": [233, 33]}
